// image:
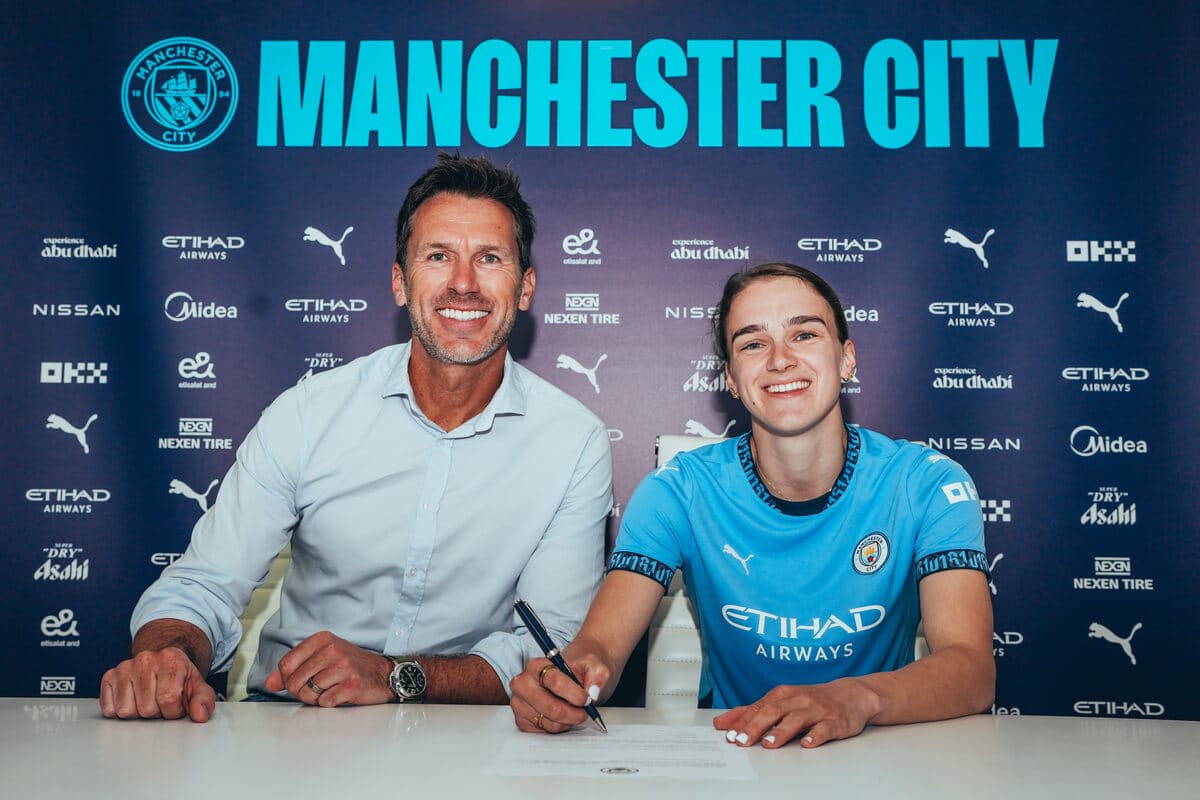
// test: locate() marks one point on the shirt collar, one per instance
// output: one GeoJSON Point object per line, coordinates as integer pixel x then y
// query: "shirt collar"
{"type": "Point", "coordinates": [511, 397]}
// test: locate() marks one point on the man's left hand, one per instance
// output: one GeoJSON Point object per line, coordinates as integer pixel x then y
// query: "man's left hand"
{"type": "Point", "coordinates": [325, 670]}
{"type": "Point", "coordinates": [821, 713]}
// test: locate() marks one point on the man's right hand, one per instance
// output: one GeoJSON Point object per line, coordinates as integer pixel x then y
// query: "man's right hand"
{"type": "Point", "coordinates": [157, 683]}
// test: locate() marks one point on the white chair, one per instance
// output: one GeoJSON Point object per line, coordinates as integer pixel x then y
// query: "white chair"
{"type": "Point", "coordinates": [673, 662]}
{"type": "Point", "coordinates": [263, 603]}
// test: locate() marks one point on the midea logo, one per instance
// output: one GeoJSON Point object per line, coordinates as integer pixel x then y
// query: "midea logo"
{"type": "Point", "coordinates": [1087, 441]}
{"type": "Point", "coordinates": [179, 307]}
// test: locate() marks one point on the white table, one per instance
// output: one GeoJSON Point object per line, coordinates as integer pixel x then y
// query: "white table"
{"type": "Point", "coordinates": [64, 748]}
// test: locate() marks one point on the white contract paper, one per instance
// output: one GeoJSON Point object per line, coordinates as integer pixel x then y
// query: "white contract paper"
{"type": "Point", "coordinates": [626, 752]}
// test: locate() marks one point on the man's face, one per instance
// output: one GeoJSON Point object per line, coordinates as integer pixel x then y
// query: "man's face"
{"type": "Point", "coordinates": [463, 284]}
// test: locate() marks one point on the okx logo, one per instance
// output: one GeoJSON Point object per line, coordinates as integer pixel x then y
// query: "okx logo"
{"type": "Point", "coordinates": [179, 94]}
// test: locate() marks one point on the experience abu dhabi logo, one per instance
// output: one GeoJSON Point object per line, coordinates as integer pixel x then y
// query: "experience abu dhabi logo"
{"type": "Point", "coordinates": [179, 94]}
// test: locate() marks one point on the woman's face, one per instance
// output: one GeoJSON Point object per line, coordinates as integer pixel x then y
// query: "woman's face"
{"type": "Point", "coordinates": [785, 361]}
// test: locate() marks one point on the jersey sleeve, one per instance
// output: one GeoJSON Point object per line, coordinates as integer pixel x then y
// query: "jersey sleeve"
{"type": "Point", "coordinates": [654, 527]}
{"type": "Point", "coordinates": [951, 531]}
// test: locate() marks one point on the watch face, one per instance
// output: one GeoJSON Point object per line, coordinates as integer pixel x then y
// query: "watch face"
{"type": "Point", "coordinates": [410, 680]}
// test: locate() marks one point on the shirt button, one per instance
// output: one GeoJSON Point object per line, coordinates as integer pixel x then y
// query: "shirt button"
{"type": "Point", "coordinates": [399, 632]}
{"type": "Point", "coordinates": [414, 572]}
{"type": "Point", "coordinates": [426, 506]}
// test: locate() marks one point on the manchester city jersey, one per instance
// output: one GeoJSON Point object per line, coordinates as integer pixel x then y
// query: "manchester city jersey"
{"type": "Point", "coordinates": [791, 594]}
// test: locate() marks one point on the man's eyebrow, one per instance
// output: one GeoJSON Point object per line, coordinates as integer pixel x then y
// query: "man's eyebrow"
{"type": "Point", "coordinates": [804, 319]}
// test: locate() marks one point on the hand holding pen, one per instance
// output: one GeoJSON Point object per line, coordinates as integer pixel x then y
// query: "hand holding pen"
{"type": "Point", "coordinates": [542, 637]}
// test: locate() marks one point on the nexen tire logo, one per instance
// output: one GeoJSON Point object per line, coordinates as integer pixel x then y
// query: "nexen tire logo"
{"type": "Point", "coordinates": [1086, 441]}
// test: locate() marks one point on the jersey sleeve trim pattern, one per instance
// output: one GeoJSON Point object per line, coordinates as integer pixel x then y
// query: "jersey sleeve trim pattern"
{"type": "Point", "coordinates": [952, 559]}
{"type": "Point", "coordinates": [652, 568]}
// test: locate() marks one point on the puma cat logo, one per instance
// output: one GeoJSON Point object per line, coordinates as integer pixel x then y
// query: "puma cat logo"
{"type": "Point", "coordinates": [312, 234]}
{"type": "Point", "coordinates": [179, 487]}
{"type": "Point", "coordinates": [566, 362]}
{"type": "Point", "coordinates": [1098, 631]}
{"type": "Point", "coordinates": [1086, 300]}
{"type": "Point", "coordinates": [56, 423]}
{"type": "Point", "coordinates": [954, 237]}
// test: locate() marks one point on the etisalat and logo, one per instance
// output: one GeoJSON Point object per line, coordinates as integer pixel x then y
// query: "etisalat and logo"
{"type": "Point", "coordinates": [969, 378]}
{"type": "Point", "coordinates": [324, 310]}
{"type": "Point", "coordinates": [197, 372]}
{"type": "Point", "coordinates": [60, 629]}
{"type": "Point", "coordinates": [179, 94]}
{"type": "Point", "coordinates": [832, 250]}
{"type": "Point", "coordinates": [198, 247]}
{"type": "Point", "coordinates": [581, 248]}
{"type": "Point", "coordinates": [195, 433]}
{"type": "Point", "coordinates": [1113, 573]}
{"type": "Point", "coordinates": [75, 247]}
{"type": "Point", "coordinates": [1110, 505]}
{"type": "Point", "coordinates": [707, 250]}
{"type": "Point", "coordinates": [581, 308]}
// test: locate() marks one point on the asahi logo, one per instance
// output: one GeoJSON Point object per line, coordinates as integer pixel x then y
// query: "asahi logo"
{"type": "Point", "coordinates": [708, 375]}
{"type": "Point", "coordinates": [63, 562]}
{"type": "Point", "coordinates": [968, 378]}
{"type": "Point", "coordinates": [180, 307]}
{"type": "Point", "coordinates": [1086, 441]}
{"type": "Point", "coordinates": [707, 250]}
{"type": "Point", "coordinates": [1109, 506]}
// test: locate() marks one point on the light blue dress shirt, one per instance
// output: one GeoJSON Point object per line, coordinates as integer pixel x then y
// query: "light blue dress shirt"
{"type": "Point", "coordinates": [406, 539]}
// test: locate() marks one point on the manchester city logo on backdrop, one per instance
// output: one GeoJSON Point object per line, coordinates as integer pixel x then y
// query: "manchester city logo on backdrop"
{"type": "Point", "coordinates": [871, 553]}
{"type": "Point", "coordinates": [179, 94]}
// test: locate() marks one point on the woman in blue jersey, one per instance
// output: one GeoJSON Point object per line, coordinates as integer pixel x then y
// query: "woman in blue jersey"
{"type": "Point", "coordinates": [811, 550]}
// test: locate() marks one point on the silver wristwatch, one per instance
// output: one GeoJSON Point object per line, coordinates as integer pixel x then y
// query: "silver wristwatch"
{"type": "Point", "coordinates": [407, 680]}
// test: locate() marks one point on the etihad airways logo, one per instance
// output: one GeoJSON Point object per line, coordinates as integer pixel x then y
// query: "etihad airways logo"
{"type": "Point", "coordinates": [325, 309]}
{"type": "Point", "coordinates": [839, 250]}
{"type": "Point", "coordinates": [1086, 441]}
{"type": "Point", "coordinates": [197, 247]}
{"type": "Point", "coordinates": [971, 314]}
{"type": "Point", "coordinates": [67, 501]}
{"type": "Point", "coordinates": [1119, 708]}
{"type": "Point", "coordinates": [1106, 379]}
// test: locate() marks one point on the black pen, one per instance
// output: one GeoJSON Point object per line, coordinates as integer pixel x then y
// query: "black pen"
{"type": "Point", "coordinates": [538, 630]}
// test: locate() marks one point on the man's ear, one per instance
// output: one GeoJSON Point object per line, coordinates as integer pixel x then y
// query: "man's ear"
{"type": "Point", "coordinates": [528, 284]}
{"type": "Point", "coordinates": [398, 284]}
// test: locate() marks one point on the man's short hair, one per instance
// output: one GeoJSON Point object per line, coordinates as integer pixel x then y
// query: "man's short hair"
{"type": "Point", "coordinates": [469, 177]}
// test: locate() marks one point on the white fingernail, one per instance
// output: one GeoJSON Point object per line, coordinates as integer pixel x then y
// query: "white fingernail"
{"type": "Point", "coordinates": [808, 739]}
{"type": "Point", "coordinates": [742, 738]}
{"type": "Point", "coordinates": [730, 736]}
{"type": "Point", "coordinates": [593, 693]}
{"type": "Point", "coordinates": [769, 739]}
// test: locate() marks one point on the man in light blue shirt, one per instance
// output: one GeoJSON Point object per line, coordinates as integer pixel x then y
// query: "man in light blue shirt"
{"type": "Point", "coordinates": [423, 489]}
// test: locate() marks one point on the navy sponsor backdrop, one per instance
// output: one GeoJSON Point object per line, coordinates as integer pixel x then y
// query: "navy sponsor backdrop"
{"type": "Point", "coordinates": [198, 210]}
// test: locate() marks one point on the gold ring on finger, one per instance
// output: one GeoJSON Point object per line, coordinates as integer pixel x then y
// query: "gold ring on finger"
{"type": "Point", "coordinates": [542, 675]}
{"type": "Point", "coordinates": [537, 722]}
{"type": "Point", "coordinates": [317, 690]}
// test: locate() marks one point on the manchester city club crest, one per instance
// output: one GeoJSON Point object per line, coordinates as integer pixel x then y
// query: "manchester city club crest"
{"type": "Point", "coordinates": [871, 553]}
{"type": "Point", "coordinates": [179, 94]}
